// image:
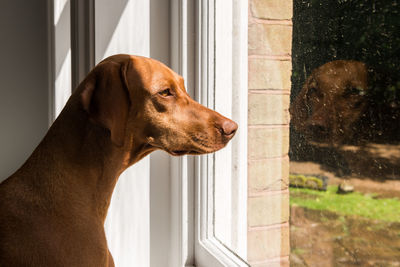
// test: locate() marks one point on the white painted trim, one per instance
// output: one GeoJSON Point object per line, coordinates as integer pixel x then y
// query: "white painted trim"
{"type": "Point", "coordinates": [59, 51]}
{"type": "Point", "coordinates": [59, 55]}
{"type": "Point", "coordinates": [182, 192]}
{"type": "Point", "coordinates": [82, 39]}
{"type": "Point", "coordinates": [240, 115]}
{"type": "Point", "coordinates": [208, 250]}
{"type": "Point", "coordinates": [224, 209]}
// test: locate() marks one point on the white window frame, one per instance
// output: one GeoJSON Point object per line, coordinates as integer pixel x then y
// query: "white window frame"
{"type": "Point", "coordinates": [195, 61]}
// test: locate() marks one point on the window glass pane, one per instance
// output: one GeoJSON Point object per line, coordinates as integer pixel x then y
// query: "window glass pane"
{"type": "Point", "coordinates": [345, 133]}
{"type": "Point", "coordinates": [229, 164]}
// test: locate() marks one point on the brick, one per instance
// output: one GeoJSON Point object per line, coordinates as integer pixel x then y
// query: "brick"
{"type": "Point", "coordinates": [269, 74]}
{"type": "Point", "coordinates": [267, 39]}
{"type": "Point", "coordinates": [272, 9]}
{"type": "Point", "coordinates": [268, 209]}
{"type": "Point", "coordinates": [268, 109]}
{"type": "Point", "coordinates": [268, 142]}
{"type": "Point", "coordinates": [268, 175]}
{"type": "Point", "coordinates": [267, 244]}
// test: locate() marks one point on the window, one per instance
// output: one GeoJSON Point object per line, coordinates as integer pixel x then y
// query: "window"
{"type": "Point", "coordinates": [221, 182]}
{"type": "Point", "coordinates": [215, 185]}
{"type": "Point", "coordinates": [345, 133]}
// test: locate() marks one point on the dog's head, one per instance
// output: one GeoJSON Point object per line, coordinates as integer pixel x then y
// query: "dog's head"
{"type": "Point", "coordinates": [144, 103]}
{"type": "Point", "coordinates": [331, 101]}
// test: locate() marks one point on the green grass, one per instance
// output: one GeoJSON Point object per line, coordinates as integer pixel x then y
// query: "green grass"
{"type": "Point", "coordinates": [298, 251]}
{"type": "Point", "coordinates": [350, 204]}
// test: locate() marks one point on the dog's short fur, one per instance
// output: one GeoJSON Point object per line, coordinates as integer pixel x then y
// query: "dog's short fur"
{"type": "Point", "coordinates": [53, 208]}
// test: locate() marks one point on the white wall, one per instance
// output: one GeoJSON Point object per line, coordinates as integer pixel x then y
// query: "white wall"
{"type": "Point", "coordinates": [61, 35]}
{"type": "Point", "coordinates": [23, 81]}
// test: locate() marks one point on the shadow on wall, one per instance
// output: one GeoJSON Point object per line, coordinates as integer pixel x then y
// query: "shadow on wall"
{"type": "Point", "coordinates": [108, 16]}
{"type": "Point", "coordinates": [62, 19]}
{"type": "Point", "coordinates": [23, 82]}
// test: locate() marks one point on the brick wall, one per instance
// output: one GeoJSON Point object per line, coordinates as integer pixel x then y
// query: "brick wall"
{"type": "Point", "coordinates": [270, 39]}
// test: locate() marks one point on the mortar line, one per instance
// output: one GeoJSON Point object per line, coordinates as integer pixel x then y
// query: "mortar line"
{"type": "Point", "coordinates": [276, 259]}
{"type": "Point", "coordinates": [268, 227]}
{"type": "Point", "coordinates": [268, 193]}
{"type": "Point", "coordinates": [270, 91]}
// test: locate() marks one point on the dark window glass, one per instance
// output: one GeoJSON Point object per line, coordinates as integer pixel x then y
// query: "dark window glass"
{"type": "Point", "coordinates": [345, 133]}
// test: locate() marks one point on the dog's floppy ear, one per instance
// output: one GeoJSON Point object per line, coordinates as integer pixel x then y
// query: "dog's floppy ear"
{"type": "Point", "coordinates": [105, 97]}
{"type": "Point", "coordinates": [300, 106]}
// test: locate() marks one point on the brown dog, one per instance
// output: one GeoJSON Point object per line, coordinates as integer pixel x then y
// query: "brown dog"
{"type": "Point", "coordinates": [332, 99]}
{"type": "Point", "coordinates": [53, 208]}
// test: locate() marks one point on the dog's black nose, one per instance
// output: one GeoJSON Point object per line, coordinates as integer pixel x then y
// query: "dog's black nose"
{"type": "Point", "coordinates": [229, 127]}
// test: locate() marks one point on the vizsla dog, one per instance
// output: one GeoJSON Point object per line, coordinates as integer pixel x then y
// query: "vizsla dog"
{"type": "Point", "coordinates": [53, 208]}
{"type": "Point", "coordinates": [332, 100]}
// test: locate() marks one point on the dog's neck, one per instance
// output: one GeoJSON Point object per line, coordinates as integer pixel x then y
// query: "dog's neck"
{"type": "Point", "coordinates": [82, 164]}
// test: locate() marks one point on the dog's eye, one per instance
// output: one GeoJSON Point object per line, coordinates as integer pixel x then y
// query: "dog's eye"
{"type": "Point", "coordinates": [165, 93]}
{"type": "Point", "coordinates": [354, 91]}
{"type": "Point", "coordinates": [311, 94]}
